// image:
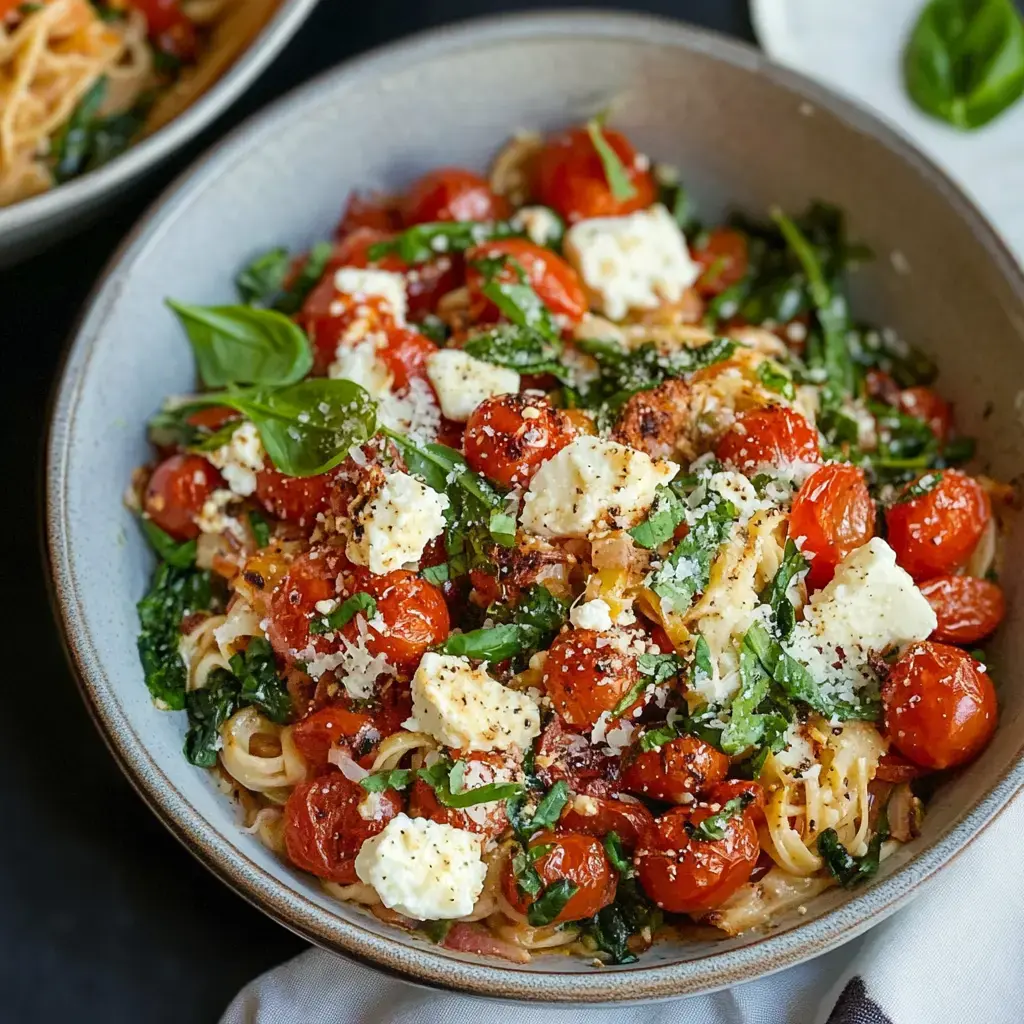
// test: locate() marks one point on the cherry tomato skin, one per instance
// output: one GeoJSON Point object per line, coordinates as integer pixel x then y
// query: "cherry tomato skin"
{"type": "Point", "coordinates": [939, 706]}
{"type": "Point", "coordinates": [556, 283]}
{"type": "Point", "coordinates": [584, 679]}
{"type": "Point", "coordinates": [310, 578]}
{"type": "Point", "coordinates": [374, 211]}
{"type": "Point", "coordinates": [835, 515]}
{"type": "Point", "coordinates": [728, 789]}
{"type": "Point", "coordinates": [723, 259]}
{"type": "Point", "coordinates": [294, 499]}
{"type": "Point", "coordinates": [774, 436]}
{"type": "Point", "coordinates": [935, 534]}
{"type": "Point", "coordinates": [926, 405]}
{"type": "Point", "coordinates": [318, 732]}
{"type": "Point", "coordinates": [169, 28]}
{"type": "Point", "coordinates": [896, 769]}
{"type": "Point", "coordinates": [597, 816]}
{"type": "Point", "coordinates": [578, 857]}
{"type": "Point", "coordinates": [414, 614]}
{"type": "Point", "coordinates": [176, 493]}
{"type": "Point", "coordinates": [570, 177]}
{"type": "Point", "coordinates": [968, 609]}
{"type": "Point", "coordinates": [331, 319]}
{"type": "Point", "coordinates": [674, 772]}
{"type": "Point", "coordinates": [212, 417]}
{"type": "Point", "coordinates": [686, 875]}
{"type": "Point", "coordinates": [323, 829]}
{"type": "Point", "coordinates": [489, 819]}
{"type": "Point", "coordinates": [509, 437]}
{"type": "Point", "coordinates": [451, 193]}
{"type": "Point", "coordinates": [405, 355]}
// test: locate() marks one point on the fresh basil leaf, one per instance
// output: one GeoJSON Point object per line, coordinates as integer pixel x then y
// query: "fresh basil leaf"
{"type": "Point", "coordinates": [244, 345]}
{"type": "Point", "coordinates": [776, 378]}
{"type": "Point", "coordinates": [660, 667]}
{"type": "Point", "coordinates": [919, 488]}
{"type": "Point", "coordinates": [494, 644]}
{"type": "Point", "coordinates": [848, 870]}
{"type": "Point", "coordinates": [666, 513]}
{"type": "Point", "coordinates": [345, 613]}
{"type": "Point", "coordinates": [436, 931]}
{"type": "Point", "coordinates": [180, 554]}
{"type": "Point", "coordinates": [440, 775]}
{"type": "Point", "coordinates": [208, 709]}
{"type": "Point", "coordinates": [746, 727]}
{"type": "Point", "coordinates": [262, 279]}
{"type": "Point", "coordinates": [437, 574]}
{"type": "Point", "coordinates": [260, 528]}
{"type": "Point", "coordinates": [617, 856]}
{"type": "Point", "coordinates": [657, 736]}
{"type": "Point", "coordinates": [308, 277]}
{"type": "Point", "coordinates": [619, 183]}
{"type": "Point", "coordinates": [519, 348]}
{"type": "Point", "coordinates": [261, 686]}
{"type": "Point", "coordinates": [515, 298]}
{"type": "Point", "coordinates": [551, 902]}
{"type": "Point", "coordinates": [425, 242]}
{"type": "Point", "coordinates": [173, 594]}
{"type": "Point", "coordinates": [396, 778]}
{"type": "Point", "coordinates": [502, 528]}
{"type": "Point", "coordinates": [550, 808]}
{"type": "Point", "coordinates": [964, 60]}
{"type": "Point", "coordinates": [714, 826]}
{"type": "Point", "coordinates": [775, 594]}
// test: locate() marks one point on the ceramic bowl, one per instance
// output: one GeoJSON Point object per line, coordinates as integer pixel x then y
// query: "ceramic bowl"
{"type": "Point", "coordinates": [28, 226]}
{"type": "Point", "coordinates": [743, 132]}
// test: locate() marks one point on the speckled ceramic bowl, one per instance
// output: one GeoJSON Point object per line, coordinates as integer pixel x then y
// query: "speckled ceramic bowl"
{"type": "Point", "coordinates": [28, 226]}
{"type": "Point", "coordinates": [744, 132]}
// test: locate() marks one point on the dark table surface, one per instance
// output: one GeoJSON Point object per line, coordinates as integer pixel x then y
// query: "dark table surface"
{"type": "Point", "coordinates": [103, 916]}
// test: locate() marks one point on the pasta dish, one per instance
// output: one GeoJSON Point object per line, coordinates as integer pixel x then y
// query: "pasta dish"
{"type": "Point", "coordinates": [80, 80]}
{"type": "Point", "coordinates": [542, 569]}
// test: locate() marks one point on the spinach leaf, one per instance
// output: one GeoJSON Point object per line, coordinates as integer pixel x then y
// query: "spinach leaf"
{"type": "Point", "coordinates": [506, 284]}
{"type": "Point", "coordinates": [396, 778]}
{"type": "Point", "coordinates": [964, 60]}
{"type": "Point", "coordinates": [345, 613]}
{"type": "Point", "coordinates": [244, 345]}
{"type": "Point", "coordinates": [173, 593]}
{"type": "Point", "coordinates": [551, 902]}
{"type": "Point", "coordinates": [667, 512]}
{"type": "Point", "coordinates": [181, 554]}
{"type": "Point", "coordinates": [260, 684]}
{"type": "Point", "coordinates": [306, 279]}
{"type": "Point", "coordinates": [519, 348]}
{"type": "Point", "coordinates": [793, 563]}
{"type": "Point", "coordinates": [425, 242]}
{"type": "Point", "coordinates": [208, 709]}
{"type": "Point", "coordinates": [445, 778]}
{"type": "Point", "coordinates": [848, 870]}
{"type": "Point", "coordinates": [261, 280]}
{"type": "Point", "coordinates": [615, 173]}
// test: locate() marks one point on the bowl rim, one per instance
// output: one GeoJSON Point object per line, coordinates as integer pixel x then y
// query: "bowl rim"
{"type": "Point", "coordinates": [394, 954]}
{"type": "Point", "coordinates": [82, 191]}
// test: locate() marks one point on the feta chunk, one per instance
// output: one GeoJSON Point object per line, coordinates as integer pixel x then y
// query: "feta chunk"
{"type": "Point", "coordinates": [461, 706]}
{"type": "Point", "coordinates": [542, 225]}
{"type": "Point", "coordinates": [240, 459]}
{"type": "Point", "coordinates": [360, 364]}
{"type": "Point", "coordinates": [633, 262]}
{"type": "Point", "coordinates": [596, 615]}
{"type": "Point", "coordinates": [424, 869]}
{"type": "Point", "coordinates": [462, 382]}
{"type": "Point", "coordinates": [592, 482]}
{"type": "Point", "coordinates": [870, 606]}
{"type": "Point", "coordinates": [383, 284]}
{"type": "Point", "coordinates": [394, 527]}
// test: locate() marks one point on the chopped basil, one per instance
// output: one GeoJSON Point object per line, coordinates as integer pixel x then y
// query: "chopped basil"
{"type": "Point", "coordinates": [775, 594]}
{"type": "Point", "coordinates": [614, 172]}
{"type": "Point", "coordinates": [434, 328]}
{"type": "Point", "coordinates": [445, 779]}
{"type": "Point", "coordinates": [848, 870]}
{"type": "Point", "coordinates": [436, 931]}
{"type": "Point", "coordinates": [260, 528]}
{"type": "Point", "coordinates": [522, 349]}
{"type": "Point", "coordinates": [714, 826]}
{"type": "Point", "coordinates": [180, 554]}
{"type": "Point", "coordinates": [923, 485]}
{"type": "Point", "coordinates": [426, 242]}
{"type": "Point", "coordinates": [208, 709]}
{"type": "Point", "coordinates": [396, 778]}
{"type": "Point", "coordinates": [776, 378]}
{"type": "Point", "coordinates": [493, 644]}
{"type": "Point", "coordinates": [666, 513]}
{"type": "Point", "coordinates": [551, 902]}
{"type": "Point", "coordinates": [516, 299]}
{"type": "Point", "coordinates": [617, 856]}
{"type": "Point", "coordinates": [345, 613]}
{"type": "Point", "coordinates": [657, 736]}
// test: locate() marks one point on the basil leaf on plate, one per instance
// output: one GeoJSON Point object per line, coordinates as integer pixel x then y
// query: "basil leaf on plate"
{"type": "Point", "coordinates": [261, 280]}
{"type": "Point", "coordinates": [396, 778]}
{"type": "Point", "coordinates": [425, 242]}
{"type": "Point", "coordinates": [614, 171]}
{"type": "Point", "coordinates": [345, 613]}
{"type": "Point", "coordinates": [551, 902]}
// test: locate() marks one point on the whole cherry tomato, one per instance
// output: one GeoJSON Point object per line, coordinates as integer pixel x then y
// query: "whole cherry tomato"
{"type": "Point", "coordinates": [685, 872]}
{"type": "Point", "coordinates": [774, 436]}
{"type": "Point", "coordinates": [834, 514]}
{"type": "Point", "coordinates": [169, 28]}
{"type": "Point", "coordinates": [571, 179]}
{"type": "Point", "coordinates": [294, 499]}
{"type": "Point", "coordinates": [674, 772]}
{"type": "Point", "coordinates": [405, 354]}
{"type": "Point", "coordinates": [939, 705]}
{"type": "Point", "coordinates": [335, 724]}
{"type": "Point", "coordinates": [509, 437]}
{"type": "Point", "coordinates": [556, 283]}
{"type": "Point", "coordinates": [927, 405]}
{"type": "Point", "coordinates": [176, 493]}
{"type": "Point", "coordinates": [311, 577]}
{"type": "Point", "coordinates": [968, 609]}
{"type": "Point", "coordinates": [577, 857]}
{"type": "Point", "coordinates": [482, 768]}
{"type": "Point", "coordinates": [723, 260]}
{"type": "Point", "coordinates": [323, 829]}
{"type": "Point", "coordinates": [451, 193]}
{"type": "Point", "coordinates": [586, 674]}
{"type": "Point", "coordinates": [935, 534]}
{"type": "Point", "coordinates": [597, 816]}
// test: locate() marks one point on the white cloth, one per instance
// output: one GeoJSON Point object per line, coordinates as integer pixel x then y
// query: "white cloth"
{"type": "Point", "coordinates": [955, 954]}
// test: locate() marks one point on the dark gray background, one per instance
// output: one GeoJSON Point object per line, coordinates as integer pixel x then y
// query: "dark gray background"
{"type": "Point", "coordinates": [103, 916]}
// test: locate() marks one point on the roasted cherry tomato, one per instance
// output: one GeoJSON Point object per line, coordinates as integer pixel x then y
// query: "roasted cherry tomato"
{"type": "Point", "coordinates": [675, 772]}
{"type": "Point", "coordinates": [331, 319]}
{"type": "Point", "coordinates": [508, 437]}
{"type": "Point", "coordinates": [413, 614]}
{"type": "Point", "coordinates": [723, 261]}
{"type": "Point", "coordinates": [834, 514]}
{"type": "Point", "coordinates": [935, 534]}
{"type": "Point", "coordinates": [451, 193]}
{"type": "Point", "coordinates": [376, 211]}
{"type": "Point", "coordinates": [168, 28]}
{"type": "Point", "coordinates": [584, 767]}
{"type": "Point", "coordinates": [926, 405]}
{"type": "Point", "coordinates": [586, 674]}
{"type": "Point", "coordinates": [212, 417]}
{"type": "Point", "coordinates": [597, 816]}
{"type": "Point", "coordinates": [557, 285]}
{"type": "Point", "coordinates": [939, 704]}
{"type": "Point", "coordinates": [318, 732]}
{"type": "Point", "coordinates": [323, 829]}
{"type": "Point", "coordinates": [571, 179]}
{"type": "Point", "coordinates": [311, 577]}
{"type": "Point", "coordinates": [685, 873]}
{"type": "Point", "coordinates": [968, 609]}
{"type": "Point", "coordinates": [176, 493]}
{"type": "Point", "coordinates": [771, 436]}
{"type": "Point", "coordinates": [728, 789]}
{"type": "Point", "coordinates": [581, 859]}
{"type": "Point", "coordinates": [405, 354]}
{"type": "Point", "coordinates": [482, 769]}
{"type": "Point", "coordinates": [294, 499]}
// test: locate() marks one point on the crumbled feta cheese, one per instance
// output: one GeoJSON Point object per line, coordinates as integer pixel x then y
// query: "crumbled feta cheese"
{"type": "Point", "coordinates": [360, 363]}
{"type": "Point", "coordinates": [424, 869]}
{"type": "Point", "coordinates": [462, 382]}
{"type": "Point", "coordinates": [594, 615]}
{"type": "Point", "coordinates": [213, 519]}
{"type": "Point", "coordinates": [394, 527]}
{"type": "Point", "coordinates": [540, 223]}
{"type": "Point", "coordinates": [360, 284]}
{"type": "Point", "coordinates": [634, 262]}
{"type": "Point", "coordinates": [464, 707]}
{"type": "Point", "coordinates": [592, 482]}
{"type": "Point", "coordinates": [240, 459]}
{"type": "Point", "coordinates": [870, 606]}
